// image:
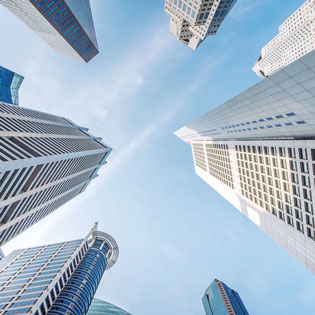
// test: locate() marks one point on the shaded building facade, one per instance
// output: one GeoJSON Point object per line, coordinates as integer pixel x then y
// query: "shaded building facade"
{"type": "Point", "coordinates": [45, 161]}
{"type": "Point", "coordinates": [66, 25]}
{"type": "Point", "coordinates": [219, 299]}
{"type": "Point", "coordinates": [56, 279]}
{"type": "Point", "coordinates": [10, 83]}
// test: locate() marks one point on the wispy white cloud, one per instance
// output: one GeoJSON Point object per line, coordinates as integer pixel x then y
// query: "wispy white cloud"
{"type": "Point", "coordinates": [45, 89]}
{"type": "Point", "coordinates": [244, 7]}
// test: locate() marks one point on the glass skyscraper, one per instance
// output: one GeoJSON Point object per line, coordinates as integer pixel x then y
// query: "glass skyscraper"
{"type": "Point", "coordinates": [99, 307]}
{"type": "Point", "coordinates": [10, 83]}
{"type": "Point", "coordinates": [66, 25]}
{"type": "Point", "coordinates": [219, 299]}
{"type": "Point", "coordinates": [56, 279]}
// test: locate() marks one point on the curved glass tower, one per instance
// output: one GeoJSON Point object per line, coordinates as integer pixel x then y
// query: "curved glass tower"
{"type": "Point", "coordinates": [56, 279]}
{"type": "Point", "coordinates": [77, 295]}
{"type": "Point", "coordinates": [99, 307]}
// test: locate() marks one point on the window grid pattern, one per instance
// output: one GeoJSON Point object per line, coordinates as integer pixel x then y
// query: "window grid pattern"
{"type": "Point", "coordinates": [199, 155]}
{"type": "Point", "coordinates": [219, 163]}
{"type": "Point", "coordinates": [17, 228]}
{"type": "Point", "coordinates": [281, 181]}
{"type": "Point", "coordinates": [26, 278]}
{"type": "Point", "coordinates": [27, 180]}
{"type": "Point", "coordinates": [55, 18]}
{"type": "Point", "coordinates": [295, 39]}
{"type": "Point", "coordinates": [195, 20]}
{"type": "Point", "coordinates": [278, 107]}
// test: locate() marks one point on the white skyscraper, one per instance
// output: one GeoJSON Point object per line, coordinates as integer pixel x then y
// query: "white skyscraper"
{"type": "Point", "coordinates": [258, 151]}
{"type": "Point", "coordinates": [193, 20]}
{"type": "Point", "coordinates": [296, 38]}
{"type": "Point", "coordinates": [45, 161]}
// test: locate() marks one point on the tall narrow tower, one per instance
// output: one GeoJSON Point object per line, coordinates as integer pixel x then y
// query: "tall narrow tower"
{"type": "Point", "coordinates": [296, 38]}
{"type": "Point", "coordinates": [258, 151]}
{"type": "Point", "coordinates": [66, 25]}
{"type": "Point", "coordinates": [56, 279]}
{"type": "Point", "coordinates": [45, 161]}
{"type": "Point", "coordinates": [193, 21]}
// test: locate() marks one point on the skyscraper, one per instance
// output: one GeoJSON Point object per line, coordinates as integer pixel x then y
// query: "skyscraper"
{"type": "Point", "coordinates": [219, 299]}
{"type": "Point", "coordinates": [56, 279]}
{"type": "Point", "coordinates": [45, 161]}
{"type": "Point", "coordinates": [193, 21]}
{"type": "Point", "coordinates": [10, 83]}
{"type": "Point", "coordinates": [296, 38]}
{"type": "Point", "coordinates": [258, 151]}
{"type": "Point", "coordinates": [99, 307]}
{"type": "Point", "coordinates": [66, 25]}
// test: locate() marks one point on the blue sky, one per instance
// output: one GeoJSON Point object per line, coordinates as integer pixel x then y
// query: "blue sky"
{"type": "Point", "coordinates": [174, 232]}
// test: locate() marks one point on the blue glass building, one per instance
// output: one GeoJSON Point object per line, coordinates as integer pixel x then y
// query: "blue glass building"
{"type": "Point", "coordinates": [56, 279]}
{"type": "Point", "coordinates": [10, 83]}
{"type": "Point", "coordinates": [99, 307]}
{"type": "Point", "coordinates": [219, 299]}
{"type": "Point", "coordinates": [66, 25]}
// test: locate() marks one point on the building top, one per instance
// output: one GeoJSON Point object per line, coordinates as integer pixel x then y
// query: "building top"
{"type": "Point", "coordinates": [296, 38]}
{"type": "Point", "coordinates": [10, 83]}
{"type": "Point", "coordinates": [82, 11]}
{"type": "Point", "coordinates": [99, 307]}
{"type": "Point", "coordinates": [112, 245]}
{"type": "Point", "coordinates": [278, 107]}
{"type": "Point", "coordinates": [219, 299]}
{"type": "Point", "coordinates": [66, 25]}
{"type": "Point", "coordinates": [191, 22]}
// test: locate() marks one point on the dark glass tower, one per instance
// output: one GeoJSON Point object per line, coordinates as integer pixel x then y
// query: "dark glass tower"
{"type": "Point", "coordinates": [10, 83]}
{"type": "Point", "coordinates": [99, 307]}
{"type": "Point", "coordinates": [219, 299]}
{"type": "Point", "coordinates": [56, 279]}
{"type": "Point", "coordinates": [66, 25]}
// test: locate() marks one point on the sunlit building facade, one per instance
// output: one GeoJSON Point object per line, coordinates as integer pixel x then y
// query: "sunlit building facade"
{"type": "Point", "coordinates": [219, 299]}
{"type": "Point", "coordinates": [10, 83]}
{"type": "Point", "coordinates": [66, 25]}
{"type": "Point", "coordinates": [45, 161]}
{"type": "Point", "coordinates": [56, 279]}
{"type": "Point", "coordinates": [295, 39]}
{"type": "Point", "coordinates": [99, 307]}
{"type": "Point", "coordinates": [258, 151]}
{"type": "Point", "coordinates": [193, 21]}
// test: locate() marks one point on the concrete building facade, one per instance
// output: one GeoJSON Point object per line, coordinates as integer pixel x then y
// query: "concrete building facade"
{"type": "Point", "coordinates": [258, 151]}
{"type": "Point", "coordinates": [295, 39]}
{"type": "Point", "coordinates": [193, 20]}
